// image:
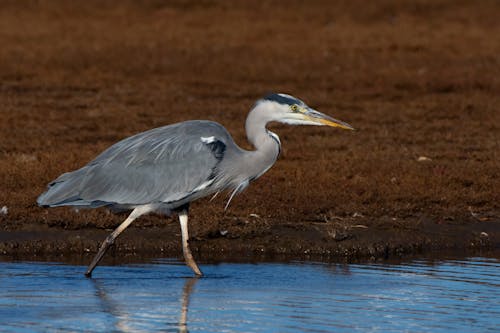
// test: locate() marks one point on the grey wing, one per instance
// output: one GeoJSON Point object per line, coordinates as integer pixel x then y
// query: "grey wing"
{"type": "Point", "coordinates": [163, 165]}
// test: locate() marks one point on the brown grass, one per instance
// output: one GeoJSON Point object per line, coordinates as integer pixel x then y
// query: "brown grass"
{"type": "Point", "coordinates": [416, 78]}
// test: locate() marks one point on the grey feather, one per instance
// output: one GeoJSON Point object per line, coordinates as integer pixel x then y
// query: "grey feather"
{"type": "Point", "coordinates": [163, 165]}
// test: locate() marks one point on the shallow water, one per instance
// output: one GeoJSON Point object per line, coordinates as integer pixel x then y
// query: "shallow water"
{"type": "Point", "coordinates": [420, 296]}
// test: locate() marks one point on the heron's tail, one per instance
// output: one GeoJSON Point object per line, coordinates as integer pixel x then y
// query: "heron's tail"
{"type": "Point", "coordinates": [64, 191]}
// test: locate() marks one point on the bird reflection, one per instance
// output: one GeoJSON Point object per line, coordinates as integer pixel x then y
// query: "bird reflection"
{"type": "Point", "coordinates": [186, 293]}
{"type": "Point", "coordinates": [123, 319]}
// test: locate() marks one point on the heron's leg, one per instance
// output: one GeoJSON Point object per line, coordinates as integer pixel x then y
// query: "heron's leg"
{"type": "Point", "coordinates": [183, 219]}
{"type": "Point", "coordinates": [111, 238]}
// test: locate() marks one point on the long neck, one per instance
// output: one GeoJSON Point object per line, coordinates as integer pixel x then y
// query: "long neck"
{"type": "Point", "coordinates": [266, 143]}
{"type": "Point", "coordinates": [241, 166]}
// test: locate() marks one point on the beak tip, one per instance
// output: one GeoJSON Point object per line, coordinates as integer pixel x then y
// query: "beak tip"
{"type": "Point", "coordinates": [345, 126]}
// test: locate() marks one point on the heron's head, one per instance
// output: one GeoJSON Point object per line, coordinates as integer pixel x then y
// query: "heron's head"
{"type": "Point", "coordinates": [287, 109]}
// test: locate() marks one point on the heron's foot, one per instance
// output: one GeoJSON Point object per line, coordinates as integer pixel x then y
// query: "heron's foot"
{"type": "Point", "coordinates": [102, 250]}
{"type": "Point", "coordinates": [192, 264]}
{"type": "Point", "coordinates": [188, 257]}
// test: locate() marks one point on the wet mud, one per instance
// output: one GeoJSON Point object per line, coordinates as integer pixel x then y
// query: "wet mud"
{"type": "Point", "coordinates": [418, 80]}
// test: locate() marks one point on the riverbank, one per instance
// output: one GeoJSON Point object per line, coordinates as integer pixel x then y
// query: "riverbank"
{"type": "Point", "coordinates": [324, 240]}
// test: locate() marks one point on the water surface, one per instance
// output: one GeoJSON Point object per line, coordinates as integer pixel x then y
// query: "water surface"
{"type": "Point", "coordinates": [420, 296]}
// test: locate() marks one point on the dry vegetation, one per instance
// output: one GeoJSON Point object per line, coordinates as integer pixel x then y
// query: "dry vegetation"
{"type": "Point", "coordinates": [416, 78]}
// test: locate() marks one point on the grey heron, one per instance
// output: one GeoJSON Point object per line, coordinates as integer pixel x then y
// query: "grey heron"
{"type": "Point", "coordinates": [164, 169]}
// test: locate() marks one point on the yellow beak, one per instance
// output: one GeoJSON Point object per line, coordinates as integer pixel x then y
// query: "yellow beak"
{"type": "Point", "coordinates": [323, 119]}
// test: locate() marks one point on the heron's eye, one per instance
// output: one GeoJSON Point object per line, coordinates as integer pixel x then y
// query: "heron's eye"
{"type": "Point", "coordinates": [294, 107]}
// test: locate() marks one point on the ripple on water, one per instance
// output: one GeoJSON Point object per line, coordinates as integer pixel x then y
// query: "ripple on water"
{"type": "Point", "coordinates": [420, 296]}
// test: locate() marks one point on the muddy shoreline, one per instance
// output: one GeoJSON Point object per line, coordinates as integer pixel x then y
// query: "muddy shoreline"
{"type": "Point", "coordinates": [417, 80]}
{"type": "Point", "coordinates": [280, 241]}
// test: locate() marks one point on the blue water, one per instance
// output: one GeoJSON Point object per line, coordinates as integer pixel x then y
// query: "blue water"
{"type": "Point", "coordinates": [420, 296]}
